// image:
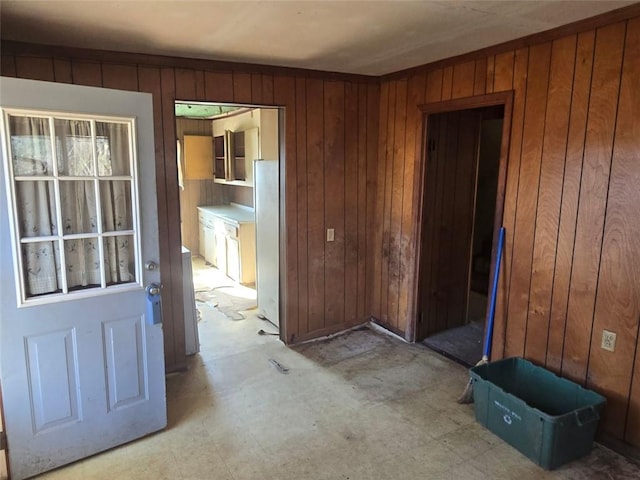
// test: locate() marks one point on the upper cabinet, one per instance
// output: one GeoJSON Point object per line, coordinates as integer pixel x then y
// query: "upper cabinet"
{"type": "Point", "coordinates": [198, 157]}
{"type": "Point", "coordinates": [235, 153]}
{"type": "Point", "coordinates": [239, 140]}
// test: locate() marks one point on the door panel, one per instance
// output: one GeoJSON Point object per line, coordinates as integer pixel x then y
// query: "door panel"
{"type": "Point", "coordinates": [81, 364]}
{"type": "Point", "coordinates": [126, 368]}
{"type": "Point", "coordinates": [53, 370]}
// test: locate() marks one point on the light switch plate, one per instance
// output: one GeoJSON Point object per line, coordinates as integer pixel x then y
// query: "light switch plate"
{"type": "Point", "coordinates": [608, 340]}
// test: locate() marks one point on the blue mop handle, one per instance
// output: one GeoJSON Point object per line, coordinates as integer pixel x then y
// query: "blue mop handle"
{"type": "Point", "coordinates": [494, 293]}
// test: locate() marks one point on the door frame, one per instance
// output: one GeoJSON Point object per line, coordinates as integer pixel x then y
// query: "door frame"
{"type": "Point", "coordinates": [282, 233]}
{"type": "Point", "coordinates": [479, 101]}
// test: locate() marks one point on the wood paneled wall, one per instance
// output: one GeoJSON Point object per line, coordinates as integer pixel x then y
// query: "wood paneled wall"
{"type": "Point", "coordinates": [196, 192]}
{"type": "Point", "coordinates": [572, 252]}
{"type": "Point", "coordinates": [330, 156]}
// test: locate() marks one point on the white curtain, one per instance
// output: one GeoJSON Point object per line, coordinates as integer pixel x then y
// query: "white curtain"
{"type": "Point", "coordinates": [115, 196]}
{"type": "Point", "coordinates": [36, 203]}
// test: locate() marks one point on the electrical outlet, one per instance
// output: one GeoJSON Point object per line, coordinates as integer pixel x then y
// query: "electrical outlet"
{"type": "Point", "coordinates": [330, 235]}
{"type": "Point", "coordinates": [608, 340]}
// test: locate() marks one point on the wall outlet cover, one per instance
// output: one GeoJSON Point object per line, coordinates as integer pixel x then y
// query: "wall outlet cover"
{"type": "Point", "coordinates": [608, 340]}
{"type": "Point", "coordinates": [330, 234]}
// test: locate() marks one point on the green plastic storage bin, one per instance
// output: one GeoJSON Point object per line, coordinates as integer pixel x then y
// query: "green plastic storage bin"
{"type": "Point", "coordinates": [549, 419]}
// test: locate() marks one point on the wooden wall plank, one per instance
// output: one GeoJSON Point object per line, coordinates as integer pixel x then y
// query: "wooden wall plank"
{"type": "Point", "coordinates": [86, 73]}
{"type": "Point", "coordinates": [607, 64]}
{"type": "Point", "coordinates": [491, 64]}
{"type": "Point", "coordinates": [521, 65]}
{"type": "Point", "coordinates": [386, 213]}
{"type": "Point", "coordinates": [413, 152]}
{"type": "Point", "coordinates": [433, 88]}
{"type": "Point", "coordinates": [352, 218]}
{"type": "Point", "coordinates": [361, 231]}
{"type": "Point", "coordinates": [375, 103]}
{"type": "Point", "coordinates": [302, 219]}
{"type": "Point", "coordinates": [463, 79]}
{"type": "Point", "coordinates": [284, 90]}
{"type": "Point", "coordinates": [200, 86]}
{"type": "Point", "coordinates": [334, 201]}
{"type": "Point", "coordinates": [480, 81]}
{"type": "Point", "coordinates": [397, 187]}
{"type": "Point", "coordinates": [315, 208]}
{"type": "Point", "coordinates": [241, 87]}
{"type": "Point", "coordinates": [503, 72]}
{"type": "Point", "coordinates": [533, 131]}
{"type": "Point", "coordinates": [218, 86]}
{"type": "Point", "coordinates": [62, 70]}
{"type": "Point", "coordinates": [267, 89]}
{"type": "Point", "coordinates": [256, 88]}
{"type": "Point", "coordinates": [35, 68]}
{"type": "Point", "coordinates": [380, 180]}
{"type": "Point", "coordinates": [121, 77]}
{"type": "Point", "coordinates": [8, 66]}
{"type": "Point", "coordinates": [549, 197]}
{"type": "Point", "coordinates": [617, 306]}
{"type": "Point", "coordinates": [172, 276]}
{"type": "Point", "coordinates": [185, 84]}
{"type": "Point", "coordinates": [447, 83]}
{"type": "Point", "coordinates": [570, 191]}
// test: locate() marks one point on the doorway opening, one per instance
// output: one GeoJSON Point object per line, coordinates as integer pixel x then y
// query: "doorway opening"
{"type": "Point", "coordinates": [229, 162]}
{"type": "Point", "coordinates": [462, 211]}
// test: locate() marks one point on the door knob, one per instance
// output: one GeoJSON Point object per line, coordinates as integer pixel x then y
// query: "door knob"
{"type": "Point", "coordinates": [151, 266]}
{"type": "Point", "coordinates": [154, 289]}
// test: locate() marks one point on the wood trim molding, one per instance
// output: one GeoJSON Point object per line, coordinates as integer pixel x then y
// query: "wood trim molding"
{"type": "Point", "coordinates": [479, 101]}
{"type": "Point", "coordinates": [590, 23]}
{"type": "Point", "coordinates": [10, 47]}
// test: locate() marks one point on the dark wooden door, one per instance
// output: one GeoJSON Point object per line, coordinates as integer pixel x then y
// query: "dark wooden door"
{"type": "Point", "coordinates": [452, 159]}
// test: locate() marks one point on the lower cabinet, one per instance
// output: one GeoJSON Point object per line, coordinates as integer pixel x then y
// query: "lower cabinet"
{"type": "Point", "coordinates": [230, 246]}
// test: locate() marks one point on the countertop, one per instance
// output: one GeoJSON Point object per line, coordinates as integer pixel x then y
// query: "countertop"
{"type": "Point", "coordinates": [230, 213]}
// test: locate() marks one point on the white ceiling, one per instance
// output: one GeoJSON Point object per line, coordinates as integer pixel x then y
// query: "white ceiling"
{"type": "Point", "coordinates": [365, 37]}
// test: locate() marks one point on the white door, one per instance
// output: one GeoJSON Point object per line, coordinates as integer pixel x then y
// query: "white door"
{"type": "Point", "coordinates": [81, 360]}
{"type": "Point", "coordinates": [266, 188]}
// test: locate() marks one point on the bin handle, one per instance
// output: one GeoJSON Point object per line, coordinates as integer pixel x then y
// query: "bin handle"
{"type": "Point", "coordinates": [592, 416]}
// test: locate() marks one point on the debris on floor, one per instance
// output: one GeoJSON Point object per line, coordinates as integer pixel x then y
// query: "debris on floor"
{"type": "Point", "coordinates": [281, 368]}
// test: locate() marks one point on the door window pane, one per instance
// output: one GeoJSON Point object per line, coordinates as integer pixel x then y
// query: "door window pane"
{"type": "Point", "coordinates": [82, 263]}
{"type": "Point", "coordinates": [115, 196]}
{"type": "Point", "coordinates": [78, 204]}
{"type": "Point", "coordinates": [119, 259]}
{"type": "Point", "coordinates": [113, 149]}
{"type": "Point", "coordinates": [74, 148]}
{"type": "Point", "coordinates": [30, 146]}
{"type": "Point", "coordinates": [41, 268]}
{"type": "Point", "coordinates": [36, 208]}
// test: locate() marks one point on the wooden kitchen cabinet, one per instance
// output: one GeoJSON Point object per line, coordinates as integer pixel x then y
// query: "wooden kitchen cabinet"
{"type": "Point", "coordinates": [235, 153]}
{"type": "Point", "coordinates": [227, 239]}
{"type": "Point", "coordinates": [198, 157]}
{"type": "Point", "coordinates": [207, 240]}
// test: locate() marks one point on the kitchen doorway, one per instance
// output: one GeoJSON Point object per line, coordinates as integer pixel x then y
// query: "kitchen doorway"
{"type": "Point", "coordinates": [229, 161]}
{"type": "Point", "coordinates": [462, 212]}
